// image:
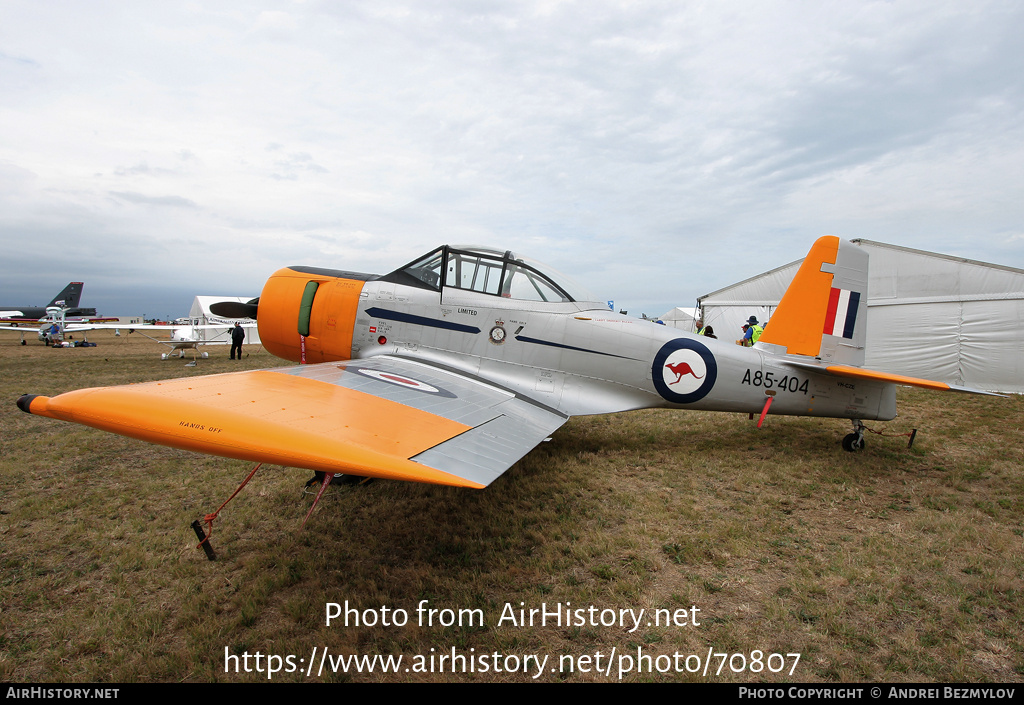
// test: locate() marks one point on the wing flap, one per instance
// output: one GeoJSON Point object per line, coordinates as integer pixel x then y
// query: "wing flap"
{"type": "Point", "coordinates": [505, 439]}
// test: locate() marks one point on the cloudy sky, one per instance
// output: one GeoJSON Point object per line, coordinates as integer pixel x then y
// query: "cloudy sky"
{"type": "Point", "coordinates": [656, 151]}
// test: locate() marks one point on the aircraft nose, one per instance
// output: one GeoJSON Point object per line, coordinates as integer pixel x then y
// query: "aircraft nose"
{"type": "Point", "coordinates": [309, 316]}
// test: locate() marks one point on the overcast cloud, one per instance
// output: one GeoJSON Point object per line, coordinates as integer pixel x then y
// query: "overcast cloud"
{"type": "Point", "coordinates": [656, 151]}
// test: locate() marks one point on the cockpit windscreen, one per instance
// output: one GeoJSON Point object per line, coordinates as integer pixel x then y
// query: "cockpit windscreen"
{"type": "Point", "coordinates": [492, 272]}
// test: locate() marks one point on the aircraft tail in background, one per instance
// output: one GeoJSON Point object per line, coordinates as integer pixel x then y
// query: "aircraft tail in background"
{"type": "Point", "coordinates": [69, 296]}
{"type": "Point", "coordinates": [823, 313]}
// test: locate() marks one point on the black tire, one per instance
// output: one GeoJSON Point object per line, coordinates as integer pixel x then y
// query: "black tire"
{"type": "Point", "coordinates": [853, 443]}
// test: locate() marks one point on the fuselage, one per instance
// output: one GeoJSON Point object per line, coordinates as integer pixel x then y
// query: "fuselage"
{"type": "Point", "coordinates": [572, 355]}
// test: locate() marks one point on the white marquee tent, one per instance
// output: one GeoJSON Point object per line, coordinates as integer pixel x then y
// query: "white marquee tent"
{"type": "Point", "coordinates": [929, 315]}
{"type": "Point", "coordinates": [680, 318]}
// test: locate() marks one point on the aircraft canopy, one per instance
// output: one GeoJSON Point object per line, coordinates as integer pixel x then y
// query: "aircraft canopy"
{"type": "Point", "coordinates": [489, 271]}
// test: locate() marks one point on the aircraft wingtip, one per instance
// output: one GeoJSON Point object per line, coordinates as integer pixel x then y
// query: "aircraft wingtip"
{"type": "Point", "coordinates": [25, 402]}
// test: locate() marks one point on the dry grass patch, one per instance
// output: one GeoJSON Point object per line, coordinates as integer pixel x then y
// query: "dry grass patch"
{"type": "Point", "coordinates": [891, 564]}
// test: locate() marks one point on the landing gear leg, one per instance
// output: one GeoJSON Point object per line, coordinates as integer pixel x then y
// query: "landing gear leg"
{"type": "Point", "coordinates": [855, 441]}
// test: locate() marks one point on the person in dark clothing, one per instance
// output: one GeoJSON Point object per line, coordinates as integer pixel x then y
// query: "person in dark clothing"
{"type": "Point", "coordinates": [237, 336]}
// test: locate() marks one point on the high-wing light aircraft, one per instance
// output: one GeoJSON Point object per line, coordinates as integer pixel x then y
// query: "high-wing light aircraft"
{"type": "Point", "coordinates": [451, 368]}
{"type": "Point", "coordinates": [183, 337]}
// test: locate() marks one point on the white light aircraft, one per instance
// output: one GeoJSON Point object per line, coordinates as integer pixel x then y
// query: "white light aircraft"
{"type": "Point", "coordinates": [185, 336]}
{"type": "Point", "coordinates": [451, 368]}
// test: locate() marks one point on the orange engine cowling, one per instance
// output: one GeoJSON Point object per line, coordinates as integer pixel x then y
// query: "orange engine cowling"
{"type": "Point", "coordinates": [308, 314]}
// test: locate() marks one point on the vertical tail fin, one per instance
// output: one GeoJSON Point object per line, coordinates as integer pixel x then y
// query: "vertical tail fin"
{"type": "Point", "coordinates": [69, 296]}
{"type": "Point", "coordinates": [823, 313]}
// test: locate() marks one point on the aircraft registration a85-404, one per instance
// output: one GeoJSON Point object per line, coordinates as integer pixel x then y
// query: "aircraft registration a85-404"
{"type": "Point", "coordinates": [451, 368]}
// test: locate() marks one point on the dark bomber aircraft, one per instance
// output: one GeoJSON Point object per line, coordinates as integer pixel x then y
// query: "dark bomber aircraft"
{"type": "Point", "coordinates": [67, 299]}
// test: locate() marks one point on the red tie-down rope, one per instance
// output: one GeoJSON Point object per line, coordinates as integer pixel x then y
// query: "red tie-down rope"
{"type": "Point", "coordinates": [328, 476]}
{"type": "Point", "coordinates": [210, 517]}
{"type": "Point", "coordinates": [912, 435]}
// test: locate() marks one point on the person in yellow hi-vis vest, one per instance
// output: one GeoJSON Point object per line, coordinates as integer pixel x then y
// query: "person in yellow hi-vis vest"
{"type": "Point", "coordinates": [751, 332]}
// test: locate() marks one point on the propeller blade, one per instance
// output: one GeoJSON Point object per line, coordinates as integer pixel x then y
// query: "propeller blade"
{"type": "Point", "coordinates": [234, 309]}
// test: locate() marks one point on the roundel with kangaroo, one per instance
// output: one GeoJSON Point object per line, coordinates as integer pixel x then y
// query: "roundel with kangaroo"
{"type": "Point", "coordinates": [684, 371]}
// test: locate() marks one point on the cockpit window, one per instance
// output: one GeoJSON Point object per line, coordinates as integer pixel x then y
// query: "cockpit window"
{"type": "Point", "coordinates": [490, 272]}
{"type": "Point", "coordinates": [474, 272]}
{"type": "Point", "coordinates": [499, 276]}
{"type": "Point", "coordinates": [428, 269]}
{"type": "Point", "coordinates": [528, 285]}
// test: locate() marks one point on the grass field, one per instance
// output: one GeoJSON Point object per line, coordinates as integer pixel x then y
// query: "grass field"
{"type": "Point", "coordinates": [892, 564]}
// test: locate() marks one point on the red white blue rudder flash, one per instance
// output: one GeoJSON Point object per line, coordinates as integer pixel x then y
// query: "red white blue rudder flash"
{"type": "Point", "coordinates": [841, 315]}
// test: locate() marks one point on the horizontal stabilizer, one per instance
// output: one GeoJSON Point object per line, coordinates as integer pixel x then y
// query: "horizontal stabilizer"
{"type": "Point", "coordinates": [861, 373]}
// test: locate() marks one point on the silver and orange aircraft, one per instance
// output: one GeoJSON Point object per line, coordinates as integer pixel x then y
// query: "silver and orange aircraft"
{"type": "Point", "coordinates": [450, 369]}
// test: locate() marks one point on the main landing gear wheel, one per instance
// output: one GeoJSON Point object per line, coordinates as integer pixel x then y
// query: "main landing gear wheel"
{"type": "Point", "coordinates": [853, 442]}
